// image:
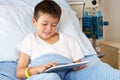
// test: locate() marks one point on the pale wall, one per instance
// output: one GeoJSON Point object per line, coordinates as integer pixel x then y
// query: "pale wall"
{"type": "Point", "coordinates": [112, 14]}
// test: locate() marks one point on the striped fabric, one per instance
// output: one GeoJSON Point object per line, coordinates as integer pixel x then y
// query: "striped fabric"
{"type": "Point", "coordinates": [100, 71]}
{"type": "Point", "coordinates": [95, 70]}
{"type": "Point", "coordinates": [8, 70]}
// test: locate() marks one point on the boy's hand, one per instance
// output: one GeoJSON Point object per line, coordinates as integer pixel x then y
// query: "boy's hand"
{"type": "Point", "coordinates": [51, 64]}
{"type": "Point", "coordinates": [46, 66]}
{"type": "Point", "coordinates": [80, 67]}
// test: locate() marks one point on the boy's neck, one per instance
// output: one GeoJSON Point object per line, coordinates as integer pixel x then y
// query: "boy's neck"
{"type": "Point", "coordinates": [53, 39]}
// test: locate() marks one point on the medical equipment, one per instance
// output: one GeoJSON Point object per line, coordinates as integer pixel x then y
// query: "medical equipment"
{"type": "Point", "coordinates": [92, 25]}
{"type": "Point", "coordinates": [92, 22]}
{"type": "Point", "coordinates": [94, 2]}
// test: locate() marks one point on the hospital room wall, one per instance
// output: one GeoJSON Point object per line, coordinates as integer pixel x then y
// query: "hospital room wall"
{"type": "Point", "coordinates": [111, 13]}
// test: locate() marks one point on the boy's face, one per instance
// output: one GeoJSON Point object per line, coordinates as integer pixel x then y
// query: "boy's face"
{"type": "Point", "coordinates": [46, 25]}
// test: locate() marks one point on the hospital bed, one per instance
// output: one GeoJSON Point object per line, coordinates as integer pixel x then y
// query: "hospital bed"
{"type": "Point", "coordinates": [15, 24]}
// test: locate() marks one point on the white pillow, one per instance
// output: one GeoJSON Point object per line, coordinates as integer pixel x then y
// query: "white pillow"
{"type": "Point", "coordinates": [29, 3]}
{"type": "Point", "coordinates": [19, 3]}
{"type": "Point", "coordinates": [15, 24]}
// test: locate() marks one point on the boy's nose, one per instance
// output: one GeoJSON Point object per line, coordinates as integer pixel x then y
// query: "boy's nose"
{"type": "Point", "coordinates": [49, 28]}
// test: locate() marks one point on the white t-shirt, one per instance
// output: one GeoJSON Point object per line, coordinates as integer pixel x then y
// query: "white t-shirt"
{"type": "Point", "coordinates": [66, 46]}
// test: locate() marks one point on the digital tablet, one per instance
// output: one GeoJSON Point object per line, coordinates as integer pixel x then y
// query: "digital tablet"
{"type": "Point", "coordinates": [66, 66]}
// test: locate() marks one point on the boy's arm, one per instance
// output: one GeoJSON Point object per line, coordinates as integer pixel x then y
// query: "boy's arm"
{"type": "Point", "coordinates": [23, 65]}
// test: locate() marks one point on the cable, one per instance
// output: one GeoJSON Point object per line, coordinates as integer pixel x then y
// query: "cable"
{"type": "Point", "coordinates": [83, 8]}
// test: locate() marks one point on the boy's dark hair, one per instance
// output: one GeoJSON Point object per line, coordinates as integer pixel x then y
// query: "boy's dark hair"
{"type": "Point", "coordinates": [47, 6]}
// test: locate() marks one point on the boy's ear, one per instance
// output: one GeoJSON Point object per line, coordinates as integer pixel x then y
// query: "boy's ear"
{"type": "Point", "coordinates": [33, 20]}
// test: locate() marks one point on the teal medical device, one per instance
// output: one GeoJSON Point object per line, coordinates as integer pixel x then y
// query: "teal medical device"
{"type": "Point", "coordinates": [92, 25]}
{"type": "Point", "coordinates": [97, 23]}
{"type": "Point", "coordinates": [87, 25]}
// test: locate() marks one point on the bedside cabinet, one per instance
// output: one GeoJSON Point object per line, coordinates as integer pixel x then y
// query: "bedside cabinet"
{"type": "Point", "coordinates": [111, 49]}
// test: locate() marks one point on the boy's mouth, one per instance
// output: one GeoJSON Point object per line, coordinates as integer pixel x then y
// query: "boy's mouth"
{"type": "Point", "coordinates": [47, 33]}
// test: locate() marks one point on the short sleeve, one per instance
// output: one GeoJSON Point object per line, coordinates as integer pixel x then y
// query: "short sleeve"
{"type": "Point", "coordinates": [75, 50]}
{"type": "Point", "coordinates": [25, 45]}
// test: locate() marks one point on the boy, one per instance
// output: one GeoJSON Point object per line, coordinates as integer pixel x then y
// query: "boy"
{"type": "Point", "coordinates": [46, 17]}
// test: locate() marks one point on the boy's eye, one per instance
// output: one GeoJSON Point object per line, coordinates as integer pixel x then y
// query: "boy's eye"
{"type": "Point", "coordinates": [44, 24]}
{"type": "Point", "coordinates": [54, 25]}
